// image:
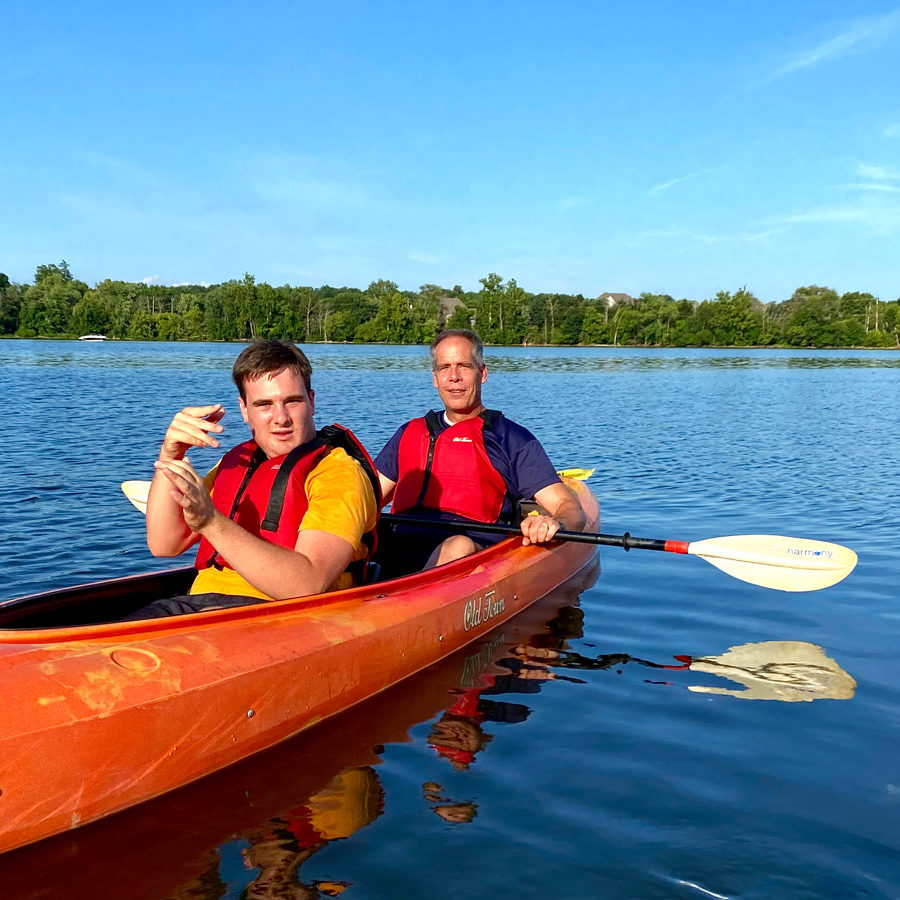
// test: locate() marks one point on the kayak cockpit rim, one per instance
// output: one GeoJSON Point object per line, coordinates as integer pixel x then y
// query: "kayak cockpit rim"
{"type": "Point", "coordinates": [108, 630]}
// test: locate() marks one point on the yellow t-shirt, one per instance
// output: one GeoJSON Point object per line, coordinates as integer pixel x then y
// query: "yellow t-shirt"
{"type": "Point", "coordinates": [341, 502]}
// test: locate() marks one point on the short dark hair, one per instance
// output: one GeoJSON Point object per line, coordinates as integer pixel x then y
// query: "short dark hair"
{"type": "Point", "coordinates": [466, 334]}
{"type": "Point", "coordinates": [264, 357]}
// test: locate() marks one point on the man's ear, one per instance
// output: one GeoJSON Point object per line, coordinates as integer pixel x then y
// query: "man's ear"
{"type": "Point", "coordinates": [312, 400]}
{"type": "Point", "coordinates": [483, 374]}
{"type": "Point", "coordinates": [243, 407]}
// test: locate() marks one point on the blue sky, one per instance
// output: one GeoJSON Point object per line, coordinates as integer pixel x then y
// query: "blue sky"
{"type": "Point", "coordinates": [581, 147]}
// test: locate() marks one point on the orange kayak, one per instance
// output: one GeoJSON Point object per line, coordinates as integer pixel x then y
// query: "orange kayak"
{"type": "Point", "coordinates": [101, 717]}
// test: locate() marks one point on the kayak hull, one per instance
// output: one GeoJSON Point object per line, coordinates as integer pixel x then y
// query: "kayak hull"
{"type": "Point", "coordinates": [100, 718]}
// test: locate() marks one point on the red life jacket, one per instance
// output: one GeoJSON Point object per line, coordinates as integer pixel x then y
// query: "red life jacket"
{"type": "Point", "coordinates": [267, 496]}
{"type": "Point", "coordinates": [449, 472]}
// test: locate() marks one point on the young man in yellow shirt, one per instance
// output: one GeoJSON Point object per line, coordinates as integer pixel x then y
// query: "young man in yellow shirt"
{"type": "Point", "coordinates": [290, 512]}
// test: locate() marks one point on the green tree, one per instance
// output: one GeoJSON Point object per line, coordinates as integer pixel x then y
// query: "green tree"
{"type": "Point", "coordinates": [48, 303]}
{"type": "Point", "coordinates": [570, 319]}
{"type": "Point", "coordinates": [215, 315]}
{"type": "Point", "coordinates": [142, 326]}
{"type": "Point", "coordinates": [498, 312]}
{"type": "Point", "coordinates": [10, 305]}
{"type": "Point", "coordinates": [306, 302]}
{"type": "Point", "coordinates": [431, 299]}
{"type": "Point", "coordinates": [340, 312]}
{"type": "Point", "coordinates": [400, 318]}
{"type": "Point", "coordinates": [892, 323]}
{"type": "Point", "coordinates": [90, 315]}
{"type": "Point", "coordinates": [119, 299]}
{"type": "Point", "coordinates": [594, 328]}
{"type": "Point", "coordinates": [731, 319]}
{"type": "Point", "coordinates": [168, 326]}
{"type": "Point", "coordinates": [625, 324]}
{"type": "Point", "coordinates": [656, 314]}
{"type": "Point", "coordinates": [811, 312]}
{"type": "Point", "coordinates": [192, 322]}
{"type": "Point", "coordinates": [53, 271]}
{"type": "Point", "coordinates": [681, 332]}
{"type": "Point", "coordinates": [868, 311]}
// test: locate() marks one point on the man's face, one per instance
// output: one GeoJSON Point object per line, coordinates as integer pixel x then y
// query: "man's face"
{"type": "Point", "coordinates": [458, 379]}
{"type": "Point", "coordinates": [279, 411]}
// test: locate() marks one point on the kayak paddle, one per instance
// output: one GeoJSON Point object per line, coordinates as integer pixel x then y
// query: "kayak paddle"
{"type": "Point", "coordinates": [772, 561]}
{"type": "Point", "coordinates": [782, 563]}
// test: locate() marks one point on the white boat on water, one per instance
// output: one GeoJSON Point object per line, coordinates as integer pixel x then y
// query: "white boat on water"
{"type": "Point", "coordinates": [92, 337]}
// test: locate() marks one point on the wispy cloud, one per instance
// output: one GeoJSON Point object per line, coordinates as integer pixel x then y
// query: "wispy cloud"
{"type": "Point", "coordinates": [699, 237]}
{"type": "Point", "coordinates": [880, 215]}
{"type": "Point", "coordinates": [876, 186]}
{"type": "Point", "coordinates": [823, 214]}
{"type": "Point", "coordinates": [855, 36]}
{"type": "Point", "coordinates": [150, 279]}
{"type": "Point", "coordinates": [665, 185]}
{"type": "Point", "coordinates": [310, 182]}
{"type": "Point", "coordinates": [764, 235]}
{"type": "Point", "coordinates": [709, 239]}
{"type": "Point", "coordinates": [878, 180]}
{"type": "Point", "coordinates": [877, 173]}
{"type": "Point", "coordinates": [427, 258]}
{"type": "Point", "coordinates": [892, 131]}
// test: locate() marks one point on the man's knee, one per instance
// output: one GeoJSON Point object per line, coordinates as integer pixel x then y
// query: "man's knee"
{"type": "Point", "coordinates": [455, 547]}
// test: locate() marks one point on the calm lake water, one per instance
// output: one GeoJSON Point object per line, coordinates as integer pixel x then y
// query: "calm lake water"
{"type": "Point", "coordinates": [557, 761]}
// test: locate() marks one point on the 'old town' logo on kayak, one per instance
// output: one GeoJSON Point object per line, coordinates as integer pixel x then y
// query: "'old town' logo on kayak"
{"type": "Point", "coordinates": [480, 609]}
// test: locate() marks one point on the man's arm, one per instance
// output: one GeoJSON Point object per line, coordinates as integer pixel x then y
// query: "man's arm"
{"type": "Point", "coordinates": [387, 488]}
{"type": "Point", "coordinates": [563, 511]}
{"type": "Point", "coordinates": [310, 568]}
{"type": "Point", "coordinates": [318, 556]}
{"type": "Point", "coordinates": [531, 474]}
{"type": "Point", "coordinates": [387, 465]}
{"type": "Point", "coordinates": [168, 532]}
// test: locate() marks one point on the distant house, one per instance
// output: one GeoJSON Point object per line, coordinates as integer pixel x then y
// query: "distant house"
{"type": "Point", "coordinates": [448, 306]}
{"type": "Point", "coordinates": [613, 299]}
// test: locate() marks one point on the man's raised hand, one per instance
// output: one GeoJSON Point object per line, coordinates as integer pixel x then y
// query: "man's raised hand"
{"type": "Point", "coordinates": [189, 492]}
{"type": "Point", "coordinates": [194, 426]}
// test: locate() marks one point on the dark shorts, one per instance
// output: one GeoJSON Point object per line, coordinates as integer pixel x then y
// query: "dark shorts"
{"type": "Point", "coordinates": [190, 603]}
{"type": "Point", "coordinates": [406, 549]}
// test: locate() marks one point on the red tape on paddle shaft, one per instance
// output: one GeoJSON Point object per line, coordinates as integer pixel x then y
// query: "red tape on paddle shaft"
{"type": "Point", "coordinates": [677, 546]}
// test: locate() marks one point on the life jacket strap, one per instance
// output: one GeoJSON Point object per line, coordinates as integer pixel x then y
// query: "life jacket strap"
{"type": "Point", "coordinates": [256, 460]}
{"type": "Point", "coordinates": [329, 436]}
{"type": "Point", "coordinates": [279, 486]}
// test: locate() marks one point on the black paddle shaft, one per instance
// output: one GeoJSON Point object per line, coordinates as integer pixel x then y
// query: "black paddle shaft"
{"type": "Point", "coordinates": [579, 537]}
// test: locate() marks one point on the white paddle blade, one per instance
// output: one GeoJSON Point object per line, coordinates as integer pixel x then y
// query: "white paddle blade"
{"type": "Point", "coordinates": [782, 563]}
{"type": "Point", "coordinates": [136, 492]}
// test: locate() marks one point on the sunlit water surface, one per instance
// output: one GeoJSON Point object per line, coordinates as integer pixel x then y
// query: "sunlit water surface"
{"type": "Point", "coordinates": [541, 763]}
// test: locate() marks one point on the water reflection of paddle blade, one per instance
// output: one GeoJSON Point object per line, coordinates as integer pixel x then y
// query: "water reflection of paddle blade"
{"type": "Point", "coordinates": [791, 671]}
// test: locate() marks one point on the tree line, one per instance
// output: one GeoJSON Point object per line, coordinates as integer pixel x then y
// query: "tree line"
{"type": "Point", "coordinates": [57, 305]}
